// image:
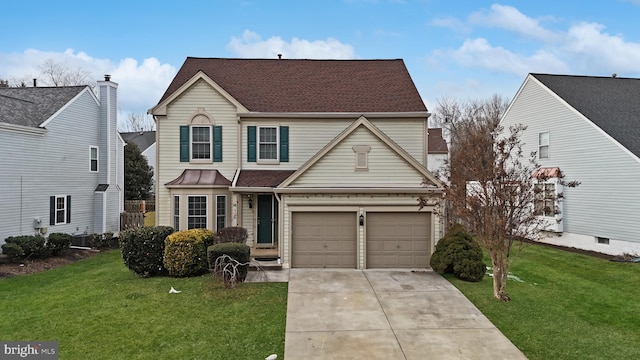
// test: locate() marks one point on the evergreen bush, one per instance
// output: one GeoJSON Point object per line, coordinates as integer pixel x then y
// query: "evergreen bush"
{"type": "Point", "coordinates": [58, 242]}
{"type": "Point", "coordinates": [458, 253]}
{"type": "Point", "coordinates": [185, 252]}
{"type": "Point", "coordinates": [239, 252]}
{"type": "Point", "coordinates": [143, 249]}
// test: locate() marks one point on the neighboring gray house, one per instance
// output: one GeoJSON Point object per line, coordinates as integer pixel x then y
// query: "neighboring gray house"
{"type": "Point", "coordinates": [62, 160]}
{"type": "Point", "coordinates": [589, 129]}
{"type": "Point", "coordinates": [146, 141]}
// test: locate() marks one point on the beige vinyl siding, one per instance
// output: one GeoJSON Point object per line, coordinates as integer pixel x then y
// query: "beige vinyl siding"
{"type": "Point", "coordinates": [247, 219]}
{"type": "Point", "coordinates": [308, 136]}
{"type": "Point", "coordinates": [607, 201]}
{"type": "Point", "coordinates": [180, 112]}
{"type": "Point", "coordinates": [337, 168]}
{"type": "Point", "coordinates": [347, 203]}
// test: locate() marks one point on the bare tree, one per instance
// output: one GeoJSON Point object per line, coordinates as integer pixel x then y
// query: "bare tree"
{"type": "Point", "coordinates": [491, 186]}
{"type": "Point", "coordinates": [59, 73]}
{"type": "Point", "coordinates": [137, 122]}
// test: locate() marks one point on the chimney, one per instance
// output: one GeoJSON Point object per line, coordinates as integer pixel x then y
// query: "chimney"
{"type": "Point", "coordinates": [279, 56]}
{"type": "Point", "coordinates": [107, 77]}
{"type": "Point", "coordinates": [35, 82]}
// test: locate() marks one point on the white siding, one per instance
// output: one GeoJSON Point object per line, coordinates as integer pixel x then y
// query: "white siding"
{"type": "Point", "coordinates": [607, 202]}
{"type": "Point", "coordinates": [337, 168]}
{"type": "Point", "coordinates": [180, 112]}
{"type": "Point", "coordinates": [36, 167]}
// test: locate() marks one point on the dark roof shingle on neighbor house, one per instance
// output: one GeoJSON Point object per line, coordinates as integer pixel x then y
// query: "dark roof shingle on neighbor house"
{"type": "Point", "coordinates": [31, 106]}
{"type": "Point", "coordinates": [611, 103]}
{"type": "Point", "coordinates": [309, 86]}
{"type": "Point", "coordinates": [437, 144]}
{"type": "Point", "coordinates": [143, 139]}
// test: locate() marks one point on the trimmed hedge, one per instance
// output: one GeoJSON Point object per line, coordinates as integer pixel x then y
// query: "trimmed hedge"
{"type": "Point", "coordinates": [33, 246]}
{"type": "Point", "coordinates": [58, 242]}
{"type": "Point", "coordinates": [459, 254]}
{"type": "Point", "coordinates": [239, 252]}
{"type": "Point", "coordinates": [232, 234]}
{"type": "Point", "coordinates": [143, 249]}
{"type": "Point", "coordinates": [185, 252]}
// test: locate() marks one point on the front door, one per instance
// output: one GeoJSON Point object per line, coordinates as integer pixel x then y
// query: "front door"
{"type": "Point", "coordinates": [265, 220]}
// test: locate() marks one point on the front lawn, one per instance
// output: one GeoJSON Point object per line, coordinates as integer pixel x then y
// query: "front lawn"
{"type": "Point", "coordinates": [565, 305]}
{"type": "Point", "coordinates": [96, 308]}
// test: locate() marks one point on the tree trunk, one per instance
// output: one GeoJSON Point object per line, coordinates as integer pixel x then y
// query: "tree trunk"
{"type": "Point", "coordinates": [500, 272]}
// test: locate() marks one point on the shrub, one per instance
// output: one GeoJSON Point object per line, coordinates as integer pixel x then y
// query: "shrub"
{"type": "Point", "coordinates": [106, 240]}
{"type": "Point", "coordinates": [143, 249]}
{"type": "Point", "coordinates": [232, 234]}
{"type": "Point", "coordinates": [12, 250]}
{"type": "Point", "coordinates": [58, 242]}
{"type": "Point", "coordinates": [459, 254]}
{"type": "Point", "coordinates": [32, 245]}
{"type": "Point", "coordinates": [239, 252]}
{"type": "Point", "coordinates": [185, 253]}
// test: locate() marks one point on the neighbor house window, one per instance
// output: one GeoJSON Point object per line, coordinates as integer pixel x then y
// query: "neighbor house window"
{"type": "Point", "coordinates": [60, 209]}
{"type": "Point", "coordinates": [545, 199]}
{"type": "Point", "coordinates": [93, 158]}
{"type": "Point", "coordinates": [543, 145]}
{"type": "Point", "coordinates": [201, 142]}
{"type": "Point", "coordinates": [176, 212]}
{"type": "Point", "coordinates": [197, 212]}
{"type": "Point", "coordinates": [362, 157]}
{"type": "Point", "coordinates": [267, 143]}
{"type": "Point", "coordinates": [221, 211]}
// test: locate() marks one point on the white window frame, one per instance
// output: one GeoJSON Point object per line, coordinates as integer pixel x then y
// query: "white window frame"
{"type": "Point", "coordinates": [91, 159]}
{"type": "Point", "coordinates": [259, 143]}
{"type": "Point", "coordinates": [542, 197]}
{"type": "Point", "coordinates": [62, 210]}
{"type": "Point", "coordinates": [224, 214]}
{"type": "Point", "coordinates": [206, 209]}
{"type": "Point", "coordinates": [551, 222]}
{"type": "Point", "coordinates": [192, 143]}
{"type": "Point", "coordinates": [542, 145]}
{"type": "Point", "coordinates": [176, 212]}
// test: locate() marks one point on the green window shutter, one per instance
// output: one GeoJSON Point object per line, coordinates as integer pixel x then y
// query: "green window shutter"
{"type": "Point", "coordinates": [284, 143]}
{"type": "Point", "coordinates": [52, 210]}
{"type": "Point", "coordinates": [217, 143]}
{"type": "Point", "coordinates": [184, 143]}
{"type": "Point", "coordinates": [251, 143]}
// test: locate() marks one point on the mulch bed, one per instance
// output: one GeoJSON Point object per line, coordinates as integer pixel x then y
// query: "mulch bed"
{"type": "Point", "coordinates": [10, 268]}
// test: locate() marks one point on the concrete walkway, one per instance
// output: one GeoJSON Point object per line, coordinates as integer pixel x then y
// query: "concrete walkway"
{"type": "Point", "coordinates": [386, 314]}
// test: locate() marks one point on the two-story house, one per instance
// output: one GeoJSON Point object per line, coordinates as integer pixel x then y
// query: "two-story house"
{"type": "Point", "coordinates": [62, 160]}
{"type": "Point", "coordinates": [321, 159]}
{"type": "Point", "coordinates": [587, 128]}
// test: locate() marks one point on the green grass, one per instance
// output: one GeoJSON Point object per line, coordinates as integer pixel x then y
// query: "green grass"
{"type": "Point", "coordinates": [569, 306]}
{"type": "Point", "coordinates": [96, 308]}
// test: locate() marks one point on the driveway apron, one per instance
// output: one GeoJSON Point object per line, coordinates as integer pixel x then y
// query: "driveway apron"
{"type": "Point", "coordinates": [386, 314]}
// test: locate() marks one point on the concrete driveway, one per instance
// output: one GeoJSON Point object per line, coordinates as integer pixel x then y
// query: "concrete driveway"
{"type": "Point", "coordinates": [386, 314]}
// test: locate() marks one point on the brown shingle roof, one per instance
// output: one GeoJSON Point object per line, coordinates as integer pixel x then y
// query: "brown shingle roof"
{"type": "Point", "coordinates": [262, 178]}
{"type": "Point", "coordinates": [270, 85]}
{"type": "Point", "coordinates": [437, 144]}
{"type": "Point", "coordinates": [200, 177]}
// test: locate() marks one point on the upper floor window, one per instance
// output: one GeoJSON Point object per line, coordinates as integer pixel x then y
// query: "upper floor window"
{"type": "Point", "coordinates": [200, 142]}
{"type": "Point", "coordinates": [543, 145]}
{"type": "Point", "coordinates": [93, 159]}
{"type": "Point", "coordinates": [268, 144]}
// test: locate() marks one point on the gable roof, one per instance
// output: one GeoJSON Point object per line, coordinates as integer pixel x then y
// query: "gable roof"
{"type": "Point", "coordinates": [437, 144]}
{"type": "Point", "coordinates": [293, 85]}
{"type": "Point", "coordinates": [363, 122]}
{"type": "Point", "coordinates": [612, 104]}
{"type": "Point", "coordinates": [143, 139]}
{"type": "Point", "coordinates": [31, 106]}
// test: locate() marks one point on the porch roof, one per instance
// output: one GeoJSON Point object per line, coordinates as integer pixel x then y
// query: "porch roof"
{"type": "Point", "coordinates": [262, 178]}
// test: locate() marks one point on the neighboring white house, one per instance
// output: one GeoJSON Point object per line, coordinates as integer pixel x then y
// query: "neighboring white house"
{"type": "Point", "coordinates": [323, 160]}
{"type": "Point", "coordinates": [62, 160]}
{"type": "Point", "coordinates": [438, 151]}
{"type": "Point", "coordinates": [588, 128]}
{"type": "Point", "coordinates": [146, 141]}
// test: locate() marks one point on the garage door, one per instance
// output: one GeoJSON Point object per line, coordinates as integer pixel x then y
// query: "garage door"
{"type": "Point", "coordinates": [398, 240]}
{"type": "Point", "coordinates": [323, 240]}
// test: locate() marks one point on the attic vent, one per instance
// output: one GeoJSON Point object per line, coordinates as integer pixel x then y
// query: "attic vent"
{"type": "Point", "coordinates": [362, 157]}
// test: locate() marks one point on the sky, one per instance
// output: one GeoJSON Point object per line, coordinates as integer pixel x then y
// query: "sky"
{"type": "Point", "coordinates": [455, 49]}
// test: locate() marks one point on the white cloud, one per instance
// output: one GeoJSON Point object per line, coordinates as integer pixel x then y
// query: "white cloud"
{"type": "Point", "coordinates": [251, 45]}
{"type": "Point", "coordinates": [140, 85]}
{"type": "Point", "coordinates": [510, 18]}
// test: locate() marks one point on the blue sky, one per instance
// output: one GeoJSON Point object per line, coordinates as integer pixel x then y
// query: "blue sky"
{"type": "Point", "coordinates": [453, 49]}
